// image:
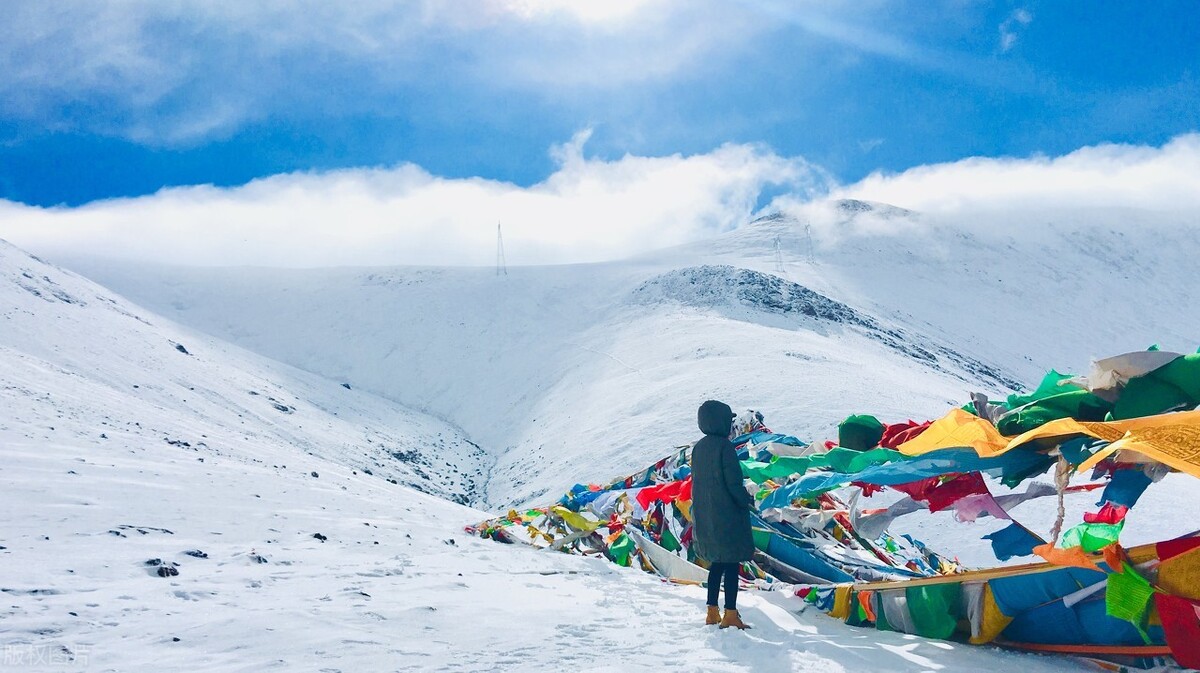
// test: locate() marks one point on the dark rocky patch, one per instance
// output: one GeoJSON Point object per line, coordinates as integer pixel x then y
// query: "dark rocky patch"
{"type": "Point", "coordinates": [144, 530]}
{"type": "Point", "coordinates": [46, 289]}
{"type": "Point", "coordinates": [409, 456]}
{"type": "Point", "coordinates": [31, 592]}
{"type": "Point", "coordinates": [716, 286]}
{"type": "Point", "coordinates": [738, 293]}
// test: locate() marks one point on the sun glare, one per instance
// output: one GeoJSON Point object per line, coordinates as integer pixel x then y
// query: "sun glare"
{"type": "Point", "coordinates": [586, 11]}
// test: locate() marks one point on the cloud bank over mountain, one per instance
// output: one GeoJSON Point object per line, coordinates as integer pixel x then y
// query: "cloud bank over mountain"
{"type": "Point", "coordinates": [589, 209]}
{"type": "Point", "coordinates": [1109, 175]}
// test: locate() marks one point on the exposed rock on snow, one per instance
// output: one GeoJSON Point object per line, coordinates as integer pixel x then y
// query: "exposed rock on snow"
{"type": "Point", "coordinates": [753, 296]}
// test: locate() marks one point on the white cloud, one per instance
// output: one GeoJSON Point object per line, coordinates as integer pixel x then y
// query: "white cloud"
{"type": "Point", "coordinates": [174, 73]}
{"type": "Point", "coordinates": [1163, 178]}
{"type": "Point", "coordinates": [587, 210]}
{"type": "Point", "coordinates": [1010, 27]}
{"type": "Point", "coordinates": [179, 73]}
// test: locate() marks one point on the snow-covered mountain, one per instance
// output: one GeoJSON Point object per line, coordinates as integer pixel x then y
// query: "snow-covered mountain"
{"type": "Point", "coordinates": [83, 367]}
{"type": "Point", "coordinates": [132, 448]}
{"type": "Point", "coordinates": [571, 373]}
{"type": "Point", "coordinates": [1029, 289]}
{"type": "Point", "coordinates": [175, 503]}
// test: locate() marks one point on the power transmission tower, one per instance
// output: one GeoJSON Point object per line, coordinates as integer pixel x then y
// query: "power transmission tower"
{"type": "Point", "coordinates": [778, 258]}
{"type": "Point", "coordinates": [501, 267]}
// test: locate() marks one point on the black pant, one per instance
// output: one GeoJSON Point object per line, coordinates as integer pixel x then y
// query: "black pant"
{"type": "Point", "coordinates": [728, 571]}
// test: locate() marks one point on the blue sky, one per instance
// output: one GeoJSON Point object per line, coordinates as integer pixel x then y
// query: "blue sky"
{"type": "Point", "coordinates": [103, 100]}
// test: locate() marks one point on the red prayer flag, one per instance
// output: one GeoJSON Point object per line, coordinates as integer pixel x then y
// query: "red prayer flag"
{"type": "Point", "coordinates": [944, 496]}
{"type": "Point", "coordinates": [898, 433]}
{"type": "Point", "coordinates": [1181, 623]}
{"type": "Point", "coordinates": [918, 490]}
{"type": "Point", "coordinates": [685, 492]}
{"type": "Point", "coordinates": [868, 490]}
{"type": "Point", "coordinates": [1109, 513]}
{"type": "Point", "coordinates": [666, 492]}
{"type": "Point", "coordinates": [1172, 548]}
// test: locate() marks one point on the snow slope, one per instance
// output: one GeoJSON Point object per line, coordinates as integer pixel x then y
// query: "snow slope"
{"type": "Point", "coordinates": [83, 367]}
{"type": "Point", "coordinates": [392, 587]}
{"type": "Point", "coordinates": [159, 516]}
{"type": "Point", "coordinates": [574, 373]}
{"type": "Point", "coordinates": [1027, 289]}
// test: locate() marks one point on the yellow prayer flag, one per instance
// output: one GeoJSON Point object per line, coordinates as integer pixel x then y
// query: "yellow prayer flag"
{"type": "Point", "coordinates": [1171, 439]}
{"type": "Point", "coordinates": [957, 429]}
{"type": "Point", "coordinates": [992, 621]}
{"type": "Point", "coordinates": [841, 603]}
{"type": "Point", "coordinates": [575, 519]}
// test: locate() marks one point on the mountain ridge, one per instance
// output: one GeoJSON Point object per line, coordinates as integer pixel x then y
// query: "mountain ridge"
{"type": "Point", "coordinates": [562, 372]}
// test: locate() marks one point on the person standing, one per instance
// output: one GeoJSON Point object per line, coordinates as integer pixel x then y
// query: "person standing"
{"type": "Point", "coordinates": [721, 509]}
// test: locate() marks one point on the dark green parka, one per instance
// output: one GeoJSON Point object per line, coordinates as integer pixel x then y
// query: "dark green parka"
{"type": "Point", "coordinates": [720, 504]}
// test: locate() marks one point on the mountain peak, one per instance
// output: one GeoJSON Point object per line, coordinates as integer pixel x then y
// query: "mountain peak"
{"type": "Point", "coordinates": [844, 210]}
{"type": "Point", "coordinates": [855, 207]}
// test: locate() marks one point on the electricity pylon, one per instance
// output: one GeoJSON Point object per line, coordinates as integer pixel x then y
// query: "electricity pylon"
{"type": "Point", "coordinates": [501, 267]}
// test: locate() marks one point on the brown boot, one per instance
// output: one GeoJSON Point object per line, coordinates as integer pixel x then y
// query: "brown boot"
{"type": "Point", "coordinates": [732, 618]}
{"type": "Point", "coordinates": [713, 617]}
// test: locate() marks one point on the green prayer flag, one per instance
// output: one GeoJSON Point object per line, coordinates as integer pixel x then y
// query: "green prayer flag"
{"type": "Point", "coordinates": [779, 468]}
{"type": "Point", "coordinates": [1092, 536]}
{"type": "Point", "coordinates": [934, 608]}
{"type": "Point", "coordinates": [754, 470]}
{"type": "Point", "coordinates": [762, 538]}
{"type": "Point", "coordinates": [1127, 596]}
{"type": "Point", "coordinates": [849, 461]}
{"type": "Point", "coordinates": [838, 459]}
{"type": "Point", "coordinates": [1049, 386]}
{"type": "Point", "coordinates": [860, 432]}
{"type": "Point", "coordinates": [1175, 385]}
{"type": "Point", "coordinates": [1074, 403]}
{"type": "Point", "coordinates": [621, 549]}
{"type": "Point", "coordinates": [668, 540]}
